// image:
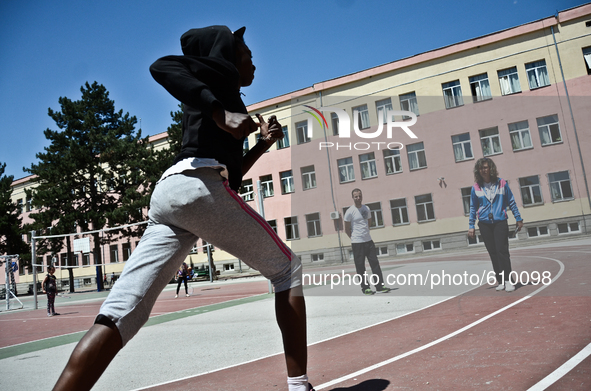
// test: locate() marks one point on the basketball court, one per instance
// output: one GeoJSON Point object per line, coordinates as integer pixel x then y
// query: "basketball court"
{"type": "Point", "coordinates": [441, 328]}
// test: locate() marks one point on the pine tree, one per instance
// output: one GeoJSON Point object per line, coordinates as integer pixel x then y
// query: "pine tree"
{"type": "Point", "coordinates": [11, 239]}
{"type": "Point", "coordinates": [96, 171]}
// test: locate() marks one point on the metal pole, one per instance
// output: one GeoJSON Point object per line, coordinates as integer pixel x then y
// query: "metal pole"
{"type": "Point", "coordinates": [7, 285]}
{"type": "Point", "coordinates": [33, 258]}
{"type": "Point", "coordinates": [210, 262]}
{"type": "Point", "coordinates": [262, 213]}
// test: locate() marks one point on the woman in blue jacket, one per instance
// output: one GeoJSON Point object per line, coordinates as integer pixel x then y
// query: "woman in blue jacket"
{"type": "Point", "coordinates": [490, 198]}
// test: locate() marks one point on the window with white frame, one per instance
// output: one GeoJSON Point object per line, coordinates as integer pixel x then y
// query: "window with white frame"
{"type": "Point", "coordinates": [392, 161]}
{"type": "Point", "coordinates": [381, 251]}
{"type": "Point", "coordinates": [368, 165]}
{"type": "Point", "coordinates": [19, 206]}
{"type": "Point", "coordinates": [509, 81]}
{"type": "Point", "coordinates": [114, 253]}
{"type": "Point", "coordinates": [308, 177]}
{"type": "Point", "coordinates": [480, 87]}
{"type": "Point", "coordinates": [302, 132]}
{"type": "Point", "coordinates": [405, 248]}
{"type": "Point", "coordinates": [313, 224]}
{"type": "Point", "coordinates": [375, 210]}
{"type": "Point", "coordinates": [425, 211]}
{"type": "Point", "coordinates": [549, 130]}
{"type": "Point", "coordinates": [126, 247]}
{"type": "Point", "coordinates": [408, 102]}
{"type": "Point", "coordinates": [286, 182]}
{"type": "Point", "coordinates": [86, 260]}
{"type": "Point", "coordinates": [334, 120]}
{"type": "Point", "coordinates": [361, 115]}
{"type": "Point", "coordinates": [520, 137]}
{"type": "Point", "coordinates": [537, 75]}
{"type": "Point", "coordinates": [228, 267]}
{"type": "Point", "coordinates": [490, 141]}
{"type": "Point", "coordinates": [531, 192]}
{"type": "Point", "coordinates": [466, 193]}
{"type": "Point", "coordinates": [267, 185]}
{"type": "Point", "coordinates": [246, 190]}
{"type": "Point", "coordinates": [462, 147]}
{"type": "Point", "coordinates": [291, 228]}
{"type": "Point", "coordinates": [346, 171]}
{"type": "Point", "coordinates": [399, 211]}
{"type": "Point", "coordinates": [317, 257]}
{"type": "Point", "coordinates": [284, 142]}
{"type": "Point", "coordinates": [477, 239]}
{"type": "Point", "coordinates": [429, 245]}
{"type": "Point", "coordinates": [273, 224]}
{"type": "Point", "coordinates": [587, 59]}
{"type": "Point", "coordinates": [245, 147]}
{"type": "Point", "coordinates": [416, 156]}
{"type": "Point", "coordinates": [533, 232]}
{"type": "Point", "coordinates": [194, 249]}
{"type": "Point", "coordinates": [452, 94]}
{"type": "Point", "coordinates": [560, 188]}
{"type": "Point", "coordinates": [565, 228]}
{"type": "Point", "coordinates": [382, 108]}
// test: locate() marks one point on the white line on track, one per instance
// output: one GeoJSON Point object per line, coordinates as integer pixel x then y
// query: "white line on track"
{"type": "Point", "coordinates": [442, 339]}
{"type": "Point", "coordinates": [562, 370]}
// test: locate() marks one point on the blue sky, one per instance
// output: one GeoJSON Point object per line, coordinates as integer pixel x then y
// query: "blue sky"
{"type": "Point", "coordinates": [50, 49]}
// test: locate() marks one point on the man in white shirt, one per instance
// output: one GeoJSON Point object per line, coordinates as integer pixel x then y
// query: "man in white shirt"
{"type": "Point", "coordinates": [357, 220]}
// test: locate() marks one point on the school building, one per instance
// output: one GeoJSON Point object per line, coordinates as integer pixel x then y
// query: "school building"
{"type": "Point", "coordinates": [408, 133]}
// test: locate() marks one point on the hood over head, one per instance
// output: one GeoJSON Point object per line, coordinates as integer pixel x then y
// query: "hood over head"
{"type": "Point", "coordinates": [213, 42]}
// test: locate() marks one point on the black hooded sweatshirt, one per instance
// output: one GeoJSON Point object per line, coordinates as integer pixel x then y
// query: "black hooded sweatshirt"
{"type": "Point", "coordinates": [205, 77]}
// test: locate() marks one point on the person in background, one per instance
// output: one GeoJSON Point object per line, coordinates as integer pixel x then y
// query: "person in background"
{"type": "Point", "coordinates": [49, 286]}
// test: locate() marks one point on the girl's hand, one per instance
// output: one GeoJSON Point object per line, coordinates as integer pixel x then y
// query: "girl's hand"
{"type": "Point", "coordinates": [270, 131]}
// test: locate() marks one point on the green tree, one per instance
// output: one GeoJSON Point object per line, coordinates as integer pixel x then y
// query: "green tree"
{"type": "Point", "coordinates": [96, 172]}
{"type": "Point", "coordinates": [11, 231]}
{"type": "Point", "coordinates": [165, 157]}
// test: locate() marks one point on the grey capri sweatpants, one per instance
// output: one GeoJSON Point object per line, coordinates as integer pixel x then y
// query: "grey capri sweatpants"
{"type": "Point", "coordinates": [185, 207]}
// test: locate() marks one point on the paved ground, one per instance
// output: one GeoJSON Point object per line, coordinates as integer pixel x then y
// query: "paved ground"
{"type": "Point", "coordinates": [439, 329]}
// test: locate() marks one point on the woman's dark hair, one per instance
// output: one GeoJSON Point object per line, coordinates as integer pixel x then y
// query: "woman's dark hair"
{"type": "Point", "coordinates": [494, 174]}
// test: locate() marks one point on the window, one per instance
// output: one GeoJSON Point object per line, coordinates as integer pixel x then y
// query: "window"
{"type": "Point", "coordinates": [286, 182]}
{"type": "Point", "coordinates": [490, 141]}
{"type": "Point", "coordinates": [382, 251]}
{"type": "Point", "coordinates": [462, 147]}
{"type": "Point", "coordinates": [194, 249]}
{"type": "Point", "coordinates": [334, 119]}
{"type": "Point", "coordinates": [63, 260]}
{"type": "Point", "coordinates": [477, 239]}
{"type": "Point", "coordinates": [452, 94]}
{"type": "Point", "coordinates": [114, 253]}
{"type": "Point", "coordinates": [382, 108]}
{"type": "Point", "coordinates": [429, 245]}
{"type": "Point", "coordinates": [20, 206]}
{"type": "Point", "coordinates": [267, 185]}
{"type": "Point", "coordinates": [86, 260]}
{"type": "Point", "coordinates": [302, 132]}
{"type": "Point", "coordinates": [392, 161]}
{"type": "Point", "coordinates": [228, 267]}
{"type": "Point", "coordinates": [466, 192]}
{"type": "Point", "coordinates": [375, 210]}
{"type": "Point", "coordinates": [399, 211]}
{"type": "Point", "coordinates": [509, 81]}
{"type": "Point", "coordinates": [317, 257]}
{"type": "Point", "coordinates": [408, 102]}
{"type": "Point", "coordinates": [361, 115]}
{"type": "Point", "coordinates": [126, 251]}
{"type": "Point", "coordinates": [533, 232]}
{"type": "Point", "coordinates": [416, 156]}
{"type": "Point", "coordinates": [425, 210]}
{"type": "Point", "coordinates": [313, 224]}
{"type": "Point", "coordinates": [560, 188]}
{"type": "Point", "coordinates": [273, 224]}
{"type": "Point", "coordinates": [549, 130]}
{"type": "Point", "coordinates": [308, 177]}
{"type": "Point", "coordinates": [531, 193]}
{"type": "Point", "coordinates": [537, 75]}
{"type": "Point", "coordinates": [520, 137]}
{"type": "Point", "coordinates": [566, 228]}
{"type": "Point", "coordinates": [284, 142]}
{"type": "Point", "coordinates": [246, 190]}
{"type": "Point", "coordinates": [368, 165]}
{"type": "Point", "coordinates": [346, 172]}
{"type": "Point", "coordinates": [29, 204]}
{"type": "Point", "coordinates": [587, 58]}
{"type": "Point", "coordinates": [480, 87]}
{"type": "Point", "coordinates": [405, 248]}
{"type": "Point", "coordinates": [291, 228]}
{"type": "Point", "coordinates": [245, 147]}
